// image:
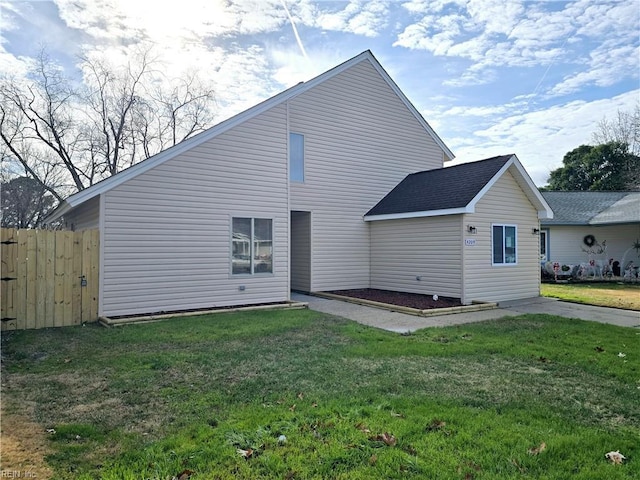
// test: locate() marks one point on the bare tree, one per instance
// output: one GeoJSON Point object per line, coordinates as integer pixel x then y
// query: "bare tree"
{"type": "Point", "coordinates": [184, 109]}
{"type": "Point", "coordinates": [67, 136]}
{"type": "Point", "coordinates": [623, 129]}
{"type": "Point", "coordinates": [37, 128]}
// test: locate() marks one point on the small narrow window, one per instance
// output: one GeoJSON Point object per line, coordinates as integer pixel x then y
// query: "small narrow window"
{"type": "Point", "coordinates": [296, 157]}
{"type": "Point", "coordinates": [504, 245]}
{"type": "Point", "coordinates": [251, 246]}
{"type": "Point", "coordinates": [543, 245]}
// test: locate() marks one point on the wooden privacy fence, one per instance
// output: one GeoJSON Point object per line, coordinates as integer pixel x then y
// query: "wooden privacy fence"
{"type": "Point", "coordinates": [49, 278]}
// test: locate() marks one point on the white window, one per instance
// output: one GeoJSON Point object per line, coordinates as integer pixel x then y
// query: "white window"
{"type": "Point", "coordinates": [251, 246]}
{"type": "Point", "coordinates": [296, 157]}
{"type": "Point", "coordinates": [503, 241]}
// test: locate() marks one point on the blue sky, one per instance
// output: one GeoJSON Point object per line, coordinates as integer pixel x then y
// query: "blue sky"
{"type": "Point", "coordinates": [491, 77]}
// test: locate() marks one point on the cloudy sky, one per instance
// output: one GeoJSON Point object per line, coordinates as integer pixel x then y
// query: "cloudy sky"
{"type": "Point", "coordinates": [491, 76]}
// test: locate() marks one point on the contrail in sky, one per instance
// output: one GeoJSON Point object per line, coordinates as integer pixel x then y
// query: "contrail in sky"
{"type": "Point", "coordinates": [295, 30]}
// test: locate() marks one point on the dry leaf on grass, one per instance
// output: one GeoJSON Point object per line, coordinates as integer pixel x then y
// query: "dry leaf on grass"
{"type": "Point", "coordinates": [518, 466]}
{"type": "Point", "coordinates": [538, 450]}
{"type": "Point", "coordinates": [615, 457]}
{"type": "Point", "coordinates": [185, 475]}
{"type": "Point", "coordinates": [245, 453]}
{"type": "Point", "coordinates": [435, 425]}
{"type": "Point", "coordinates": [373, 459]}
{"type": "Point", "coordinates": [363, 428]}
{"type": "Point", "coordinates": [385, 438]}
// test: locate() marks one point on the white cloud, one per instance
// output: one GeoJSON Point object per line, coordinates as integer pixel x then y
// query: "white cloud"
{"type": "Point", "coordinates": [540, 138]}
{"type": "Point", "coordinates": [607, 65]}
{"type": "Point", "coordinates": [495, 34]}
{"type": "Point", "coordinates": [472, 76]}
{"type": "Point", "coordinates": [361, 17]}
{"type": "Point", "coordinates": [290, 67]}
{"type": "Point", "coordinates": [10, 64]}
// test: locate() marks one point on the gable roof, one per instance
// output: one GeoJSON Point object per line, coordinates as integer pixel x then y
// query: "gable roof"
{"type": "Point", "coordinates": [453, 190]}
{"type": "Point", "coordinates": [121, 177]}
{"type": "Point", "coordinates": [593, 208]}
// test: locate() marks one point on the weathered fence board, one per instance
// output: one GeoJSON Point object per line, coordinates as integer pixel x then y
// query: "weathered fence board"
{"type": "Point", "coordinates": [49, 278]}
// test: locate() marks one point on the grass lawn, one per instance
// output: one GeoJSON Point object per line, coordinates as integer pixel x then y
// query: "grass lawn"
{"type": "Point", "coordinates": [608, 294]}
{"type": "Point", "coordinates": [303, 395]}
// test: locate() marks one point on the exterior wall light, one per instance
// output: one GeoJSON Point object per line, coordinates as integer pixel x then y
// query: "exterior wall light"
{"type": "Point", "coordinates": [471, 229]}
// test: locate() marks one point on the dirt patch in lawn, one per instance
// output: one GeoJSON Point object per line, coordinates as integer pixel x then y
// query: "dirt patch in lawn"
{"type": "Point", "coordinates": [411, 300]}
{"type": "Point", "coordinates": [24, 446]}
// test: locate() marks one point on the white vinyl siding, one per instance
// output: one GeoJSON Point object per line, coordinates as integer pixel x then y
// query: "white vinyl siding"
{"type": "Point", "coordinates": [566, 243]}
{"type": "Point", "coordinates": [421, 255]}
{"type": "Point", "coordinates": [360, 142]}
{"type": "Point", "coordinates": [504, 204]}
{"type": "Point", "coordinates": [166, 239]}
{"type": "Point", "coordinates": [84, 217]}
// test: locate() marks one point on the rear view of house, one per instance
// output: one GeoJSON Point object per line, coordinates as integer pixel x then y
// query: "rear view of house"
{"type": "Point", "coordinates": [284, 195]}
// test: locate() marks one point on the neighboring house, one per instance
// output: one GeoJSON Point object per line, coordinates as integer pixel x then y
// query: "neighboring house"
{"type": "Point", "coordinates": [599, 226]}
{"type": "Point", "coordinates": [283, 197]}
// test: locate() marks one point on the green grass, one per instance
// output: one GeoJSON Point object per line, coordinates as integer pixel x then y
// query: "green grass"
{"type": "Point", "coordinates": [617, 295]}
{"type": "Point", "coordinates": [466, 402]}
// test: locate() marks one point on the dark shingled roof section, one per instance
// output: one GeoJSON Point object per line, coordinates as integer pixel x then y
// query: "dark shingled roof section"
{"type": "Point", "coordinates": [441, 189]}
{"type": "Point", "coordinates": [578, 208]}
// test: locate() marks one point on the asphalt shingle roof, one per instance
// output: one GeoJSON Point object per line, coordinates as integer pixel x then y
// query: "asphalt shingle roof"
{"type": "Point", "coordinates": [440, 189]}
{"type": "Point", "coordinates": [593, 208]}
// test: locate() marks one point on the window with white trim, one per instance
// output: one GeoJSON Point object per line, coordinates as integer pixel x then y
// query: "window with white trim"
{"type": "Point", "coordinates": [251, 245]}
{"type": "Point", "coordinates": [296, 157]}
{"type": "Point", "coordinates": [504, 244]}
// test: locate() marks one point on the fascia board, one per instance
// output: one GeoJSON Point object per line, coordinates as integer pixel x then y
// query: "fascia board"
{"type": "Point", "coordinates": [428, 213]}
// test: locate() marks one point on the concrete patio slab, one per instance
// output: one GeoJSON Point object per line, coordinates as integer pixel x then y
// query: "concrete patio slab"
{"type": "Point", "coordinates": [403, 322]}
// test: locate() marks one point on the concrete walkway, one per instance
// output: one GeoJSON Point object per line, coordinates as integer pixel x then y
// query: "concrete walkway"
{"type": "Point", "coordinates": [403, 322]}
